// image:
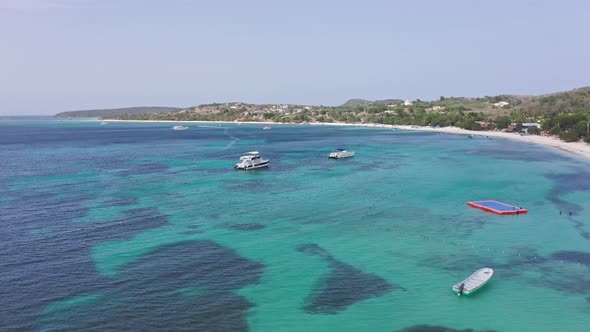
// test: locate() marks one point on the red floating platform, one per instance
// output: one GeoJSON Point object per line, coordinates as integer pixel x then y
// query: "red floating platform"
{"type": "Point", "coordinates": [497, 207]}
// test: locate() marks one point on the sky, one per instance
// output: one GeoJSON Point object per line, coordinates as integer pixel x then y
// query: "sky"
{"type": "Point", "coordinates": [63, 55]}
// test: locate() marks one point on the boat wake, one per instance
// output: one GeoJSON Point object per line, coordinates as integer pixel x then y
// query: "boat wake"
{"type": "Point", "coordinates": [233, 139]}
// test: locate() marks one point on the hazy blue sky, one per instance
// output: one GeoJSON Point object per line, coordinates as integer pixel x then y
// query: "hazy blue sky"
{"type": "Point", "coordinates": [59, 55]}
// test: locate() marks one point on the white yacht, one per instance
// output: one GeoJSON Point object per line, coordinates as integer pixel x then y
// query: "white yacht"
{"type": "Point", "coordinates": [341, 153]}
{"type": "Point", "coordinates": [266, 128]}
{"type": "Point", "coordinates": [179, 128]}
{"type": "Point", "coordinates": [251, 160]}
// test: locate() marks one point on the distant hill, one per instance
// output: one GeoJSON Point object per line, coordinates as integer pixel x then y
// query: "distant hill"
{"type": "Point", "coordinates": [364, 102]}
{"type": "Point", "coordinates": [388, 101]}
{"type": "Point", "coordinates": [572, 100]}
{"type": "Point", "coordinates": [567, 101]}
{"type": "Point", "coordinates": [111, 112]}
{"type": "Point", "coordinates": [491, 106]}
{"type": "Point", "coordinates": [356, 102]}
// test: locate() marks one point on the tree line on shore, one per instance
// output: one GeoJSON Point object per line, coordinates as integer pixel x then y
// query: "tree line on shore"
{"type": "Point", "coordinates": [569, 126]}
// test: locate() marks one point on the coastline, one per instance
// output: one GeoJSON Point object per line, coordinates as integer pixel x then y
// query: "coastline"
{"type": "Point", "coordinates": [577, 149]}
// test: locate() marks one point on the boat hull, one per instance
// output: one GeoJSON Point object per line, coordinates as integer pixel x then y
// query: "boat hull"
{"type": "Point", "coordinates": [247, 167]}
{"type": "Point", "coordinates": [340, 156]}
{"type": "Point", "coordinates": [467, 293]}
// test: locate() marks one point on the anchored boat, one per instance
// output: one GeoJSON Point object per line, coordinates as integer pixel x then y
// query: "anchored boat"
{"type": "Point", "coordinates": [474, 282]}
{"type": "Point", "coordinates": [341, 153]}
{"type": "Point", "coordinates": [251, 160]}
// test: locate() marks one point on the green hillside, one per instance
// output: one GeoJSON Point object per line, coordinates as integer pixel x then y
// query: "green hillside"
{"type": "Point", "coordinates": [564, 114]}
{"type": "Point", "coordinates": [573, 100]}
{"type": "Point", "coordinates": [363, 102]}
{"type": "Point", "coordinates": [113, 112]}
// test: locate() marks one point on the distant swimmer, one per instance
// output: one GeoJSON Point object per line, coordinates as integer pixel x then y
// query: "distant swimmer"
{"type": "Point", "coordinates": [571, 214]}
{"type": "Point", "coordinates": [560, 212]}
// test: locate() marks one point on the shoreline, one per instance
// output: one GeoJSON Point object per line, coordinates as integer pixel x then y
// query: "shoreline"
{"type": "Point", "coordinates": [577, 149]}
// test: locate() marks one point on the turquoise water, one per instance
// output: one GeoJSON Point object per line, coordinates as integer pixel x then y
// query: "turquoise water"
{"type": "Point", "coordinates": [138, 227]}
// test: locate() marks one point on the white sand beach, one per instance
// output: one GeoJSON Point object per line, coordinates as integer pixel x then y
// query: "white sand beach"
{"type": "Point", "coordinates": [578, 149]}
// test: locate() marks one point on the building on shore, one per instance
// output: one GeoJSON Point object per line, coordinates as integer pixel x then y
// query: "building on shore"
{"type": "Point", "coordinates": [527, 125]}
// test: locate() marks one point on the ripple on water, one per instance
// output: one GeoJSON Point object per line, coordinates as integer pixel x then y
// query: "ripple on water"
{"type": "Point", "coordinates": [140, 169]}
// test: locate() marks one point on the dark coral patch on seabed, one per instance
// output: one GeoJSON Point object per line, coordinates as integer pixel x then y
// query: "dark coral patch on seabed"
{"type": "Point", "coordinates": [120, 201]}
{"type": "Point", "coordinates": [247, 226]}
{"type": "Point", "coordinates": [573, 257]}
{"type": "Point", "coordinates": [190, 232]}
{"type": "Point", "coordinates": [60, 264]}
{"type": "Point", "coordinates": [565, 184]}
{"type": "Point", "coordinates": [146, 296]}
{"type": "Point", "coordinates": [568, 183]}
{"type": "Point", "coordinates": [344, 285]}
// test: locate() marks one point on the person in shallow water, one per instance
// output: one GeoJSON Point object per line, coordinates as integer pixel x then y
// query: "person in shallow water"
{"type": "Point", "coordinates": [571, 214]}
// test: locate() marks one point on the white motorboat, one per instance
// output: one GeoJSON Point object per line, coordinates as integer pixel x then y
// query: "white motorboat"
{"type": "Point", "coordinates": [251, 160]}
{"type": "Point", "coordinates": [341, 153]}
{"type": "Point", "coordinates": [266, 128]}
{"type": "Point", "coordinates": [104, 123]}
{"type": "Point", "coordinates": [179, 128]}
{"type": "Point", "coordinates": [474, 282]}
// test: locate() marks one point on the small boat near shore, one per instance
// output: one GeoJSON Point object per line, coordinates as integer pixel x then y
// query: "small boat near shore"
{"type": "Point", "coordinates": [341, 153]}
{"type": "Point", "coordinates": [474, 282]}
{"type": "Point", "coordinates": [104, 123]}
{"type": "Point", "coordinates": [179, 128]}
{"type": "Point", "coordinates": [266, 128]}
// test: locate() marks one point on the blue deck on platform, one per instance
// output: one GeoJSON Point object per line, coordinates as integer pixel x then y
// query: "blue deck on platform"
{"type": "Point", "coordinates": [499, 206]}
